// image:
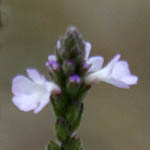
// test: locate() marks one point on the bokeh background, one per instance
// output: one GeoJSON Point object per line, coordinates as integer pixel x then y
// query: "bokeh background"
{"type": "Point", "coordinates": [114, 119]}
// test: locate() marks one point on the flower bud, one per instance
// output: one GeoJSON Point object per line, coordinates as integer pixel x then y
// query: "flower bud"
{"type": "Point", "coordinates": [52, 65]}
{"type": "Point", "coordinates": [73, 85]}
{"type": "Point", "coordinates": [73, 45]}
{"type": "Point", "coordinates": [68, 67]}
{"type": "Point", "coordinates": [75, 79]}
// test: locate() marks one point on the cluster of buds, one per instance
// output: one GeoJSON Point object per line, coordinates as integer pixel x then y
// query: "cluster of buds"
{"type": "Point", "coordinates": [72, 73]}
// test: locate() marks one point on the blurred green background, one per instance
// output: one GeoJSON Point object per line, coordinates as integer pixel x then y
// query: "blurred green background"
{"type": "Point", "coordinates": [114, 119]}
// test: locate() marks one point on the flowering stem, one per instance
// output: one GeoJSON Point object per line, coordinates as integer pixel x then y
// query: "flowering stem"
{"type": "Point", "coordinates": [70, 76]}
{"type": "Point", "coordinates": [72, 73]}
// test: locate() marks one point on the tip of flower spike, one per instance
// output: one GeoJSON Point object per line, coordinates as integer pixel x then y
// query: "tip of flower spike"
{"type": "Point", "coordinates": [71, 29]}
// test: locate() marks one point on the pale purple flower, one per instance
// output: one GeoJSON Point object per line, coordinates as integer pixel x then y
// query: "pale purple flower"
{"type": "Point", "coordinates": [52, 62]}
{"type": "Point", "coordinates": [32, 92]}
{"type": "Point", "coordinates": [116, 72]}
{"type": "Point", "coordinates": [95, 62]}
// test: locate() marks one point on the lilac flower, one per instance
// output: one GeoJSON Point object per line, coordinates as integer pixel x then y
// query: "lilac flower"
{"type": "Point", "coordinates": [52, 62]}
{"type": "Point", "coordinates": [95, 62]}
{"type": "Point", "coordinates": [116, 72]}
{"type": "Point", "coordinates": [32, 93]}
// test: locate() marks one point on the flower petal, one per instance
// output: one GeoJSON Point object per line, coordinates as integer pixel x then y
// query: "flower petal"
{"type": "Point", "coordinates": [51, 86]}
{"type": "Point", "coordinates": [117, 83]}
{"type": "Point", "coordinates": [96, 63]}
{"type": "Point", "coordinates": [112, 62]}
{"type": "Point", "coordinates": [26, 103]}
{"type": "Point", "coordinates": [130, 80]}
{"type": "Point", "coordinates": [121, 71]}
{"type": "Point", "coordinates": [88, 47]}
{"type": "Point", "coordinates": [42, 103]}
{"type": "Point", "coordinates": [101, 76]}
{"type": "Point", "coordinates": [22, 85]}
{"type": "Point", "coordinates": [36, 76]}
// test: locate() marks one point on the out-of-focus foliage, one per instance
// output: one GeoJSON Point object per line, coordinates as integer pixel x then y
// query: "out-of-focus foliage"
{"type": "Point", "coordinates": [0, 14]}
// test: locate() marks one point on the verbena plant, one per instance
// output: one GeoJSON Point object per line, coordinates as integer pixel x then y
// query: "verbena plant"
{"type": "Point", "coordinates": [72, 74]}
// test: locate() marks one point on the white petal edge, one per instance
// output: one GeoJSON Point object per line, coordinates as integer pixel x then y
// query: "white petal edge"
{"type": "Point", "coordinates": [35, 76]}
{"type": "Point", "coordinates": [26, 103]}
{"type": "Point", "coordinates": [130, 80]}
{"type": "Point", "coordinates": [88, 47]}
{"type": "Point", "coordinates": [118, 83]}
{"type": "Point", "coordinates": [22, 85]}
{"type": "Point", "coordinates": [112, 62]}
{"type": "Point", "coordinates": [121, 71]}
{"type": "Point", "coordinates": [100, 77]}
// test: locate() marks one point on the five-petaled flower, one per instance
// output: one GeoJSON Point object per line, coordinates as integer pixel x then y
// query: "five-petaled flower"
{"type": "Point", "coordinates": [32, 93]}
{"type": "Point", "coordinates": [116, 72]}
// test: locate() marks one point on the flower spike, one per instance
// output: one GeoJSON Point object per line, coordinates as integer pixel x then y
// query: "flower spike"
{"type": "Point", "coordinates": [73, 71]}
